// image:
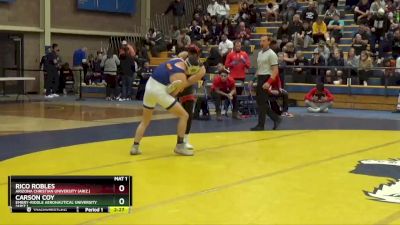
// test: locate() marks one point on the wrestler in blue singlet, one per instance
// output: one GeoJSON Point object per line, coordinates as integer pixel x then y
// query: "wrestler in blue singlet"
{"type": "Point", "coordinates": [164, 71]}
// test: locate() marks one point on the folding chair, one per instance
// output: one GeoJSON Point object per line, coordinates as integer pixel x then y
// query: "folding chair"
{"type": "Point", "coordinates": [274, 105]}
{"type": "Point", "coordinates": [246, 101]}
{"type": "Point", "coordinates": [201, 92]}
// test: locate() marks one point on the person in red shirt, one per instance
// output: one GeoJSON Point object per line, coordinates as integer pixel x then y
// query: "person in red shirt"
{"type": "Point", "coordinates": [127, 49]}
{"type": "Point", "coordinates": [238, 61]}
{"type": "Point", "coordinates": [276, 90]}
{"type": "Point", "coordinates": [319, 99]}
{"type": "Point", "coordinates": [224, 88]}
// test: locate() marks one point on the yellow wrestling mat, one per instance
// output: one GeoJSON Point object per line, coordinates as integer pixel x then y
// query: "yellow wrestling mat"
{"type": "Point", "coordinates": [284, 177]}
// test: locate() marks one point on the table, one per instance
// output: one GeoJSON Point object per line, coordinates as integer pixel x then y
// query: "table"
{"type": "Point", "coordinates": [5, 79]}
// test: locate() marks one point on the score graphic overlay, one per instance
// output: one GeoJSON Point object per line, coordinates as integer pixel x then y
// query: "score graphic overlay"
{"type": "Point", "coordinates": [70, 194]}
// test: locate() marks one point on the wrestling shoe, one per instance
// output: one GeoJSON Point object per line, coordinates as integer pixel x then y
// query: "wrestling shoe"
{"type": "Point", "coordinates": [181, 149]}
{"type": "Point", "coordinates": [135, 150]}
{"type": "Point", "coordinates": [187, 144]}
{"type": "Point", "coordinates": [313, 110]}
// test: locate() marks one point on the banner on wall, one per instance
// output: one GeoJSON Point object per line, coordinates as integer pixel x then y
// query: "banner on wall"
{"type": "Point", "coordinates": [113, 6]}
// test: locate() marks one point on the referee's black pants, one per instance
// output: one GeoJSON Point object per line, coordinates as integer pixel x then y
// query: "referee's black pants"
{"type": "Point", "coordinates": [262, 100]}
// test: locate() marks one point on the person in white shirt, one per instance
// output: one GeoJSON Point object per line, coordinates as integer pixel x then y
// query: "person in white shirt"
{"type": "Point", "coordinates": [223, 10]}
{"type": "Point", "coordinates": [110, 63]}
{"type": "Point", "coordinates": [225, 46]}
{"type": "Point", "coordinates": [267, 72]}
{"type": "Point", "coordinates": [213, 8]}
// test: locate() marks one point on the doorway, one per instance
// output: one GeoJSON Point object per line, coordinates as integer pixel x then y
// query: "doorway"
{"type": "Point", "coordinates": [11, 62]}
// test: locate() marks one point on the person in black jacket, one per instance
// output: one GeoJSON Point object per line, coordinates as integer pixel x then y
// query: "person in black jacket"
{"type": "Point", "coordinates": [43, 66]}
{"type": "Point", "coordinates": [212, 61]}
{"type": "Point", "coordinates": [379, 26]}
{"type": "Point", "coordinates": [178, 11]}
{"type": "Point", "coordinates": [396, 44]}
{"type": "Point", "coordinates": [53, 78]}
{"type": "Point", "coordinates": [335, 74]}
{"type": "Point", "coordinates": [300, 73]}
{"type": "Point", "coordinates": [283, 35]}
{"type": "Point", "coordinates": [317, 74]}
{"type": "Point", "coordinates": [66, 75]}
{"type": "Point", "coordinates": [310, 13]}
{"type": "Point", "coordinates": [214, 58]}
{"type": "Point", "coordinates": [128, 69]}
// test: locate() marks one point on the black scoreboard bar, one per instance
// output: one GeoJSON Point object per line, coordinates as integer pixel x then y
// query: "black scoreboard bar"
{"type": "Point", "coordinates": [70, 194]}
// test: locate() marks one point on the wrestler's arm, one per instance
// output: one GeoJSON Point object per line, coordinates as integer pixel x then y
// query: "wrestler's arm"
{"type": "Point", "coordinates": [183, 55]}
{"type": "Point", "coordinates": [193, 79]}
{"type": "Point", "coordinates": [186, 82]}
{"type": "Point", "coordinates": [178, 76]}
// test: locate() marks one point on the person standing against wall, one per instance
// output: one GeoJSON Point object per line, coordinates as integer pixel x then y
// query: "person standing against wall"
{"type": "Point", "coordinates": [267, 71]}
{"type": "Point", "coordinates": [43, 66]}
{"type": "Point", "coordinates": [53, 62]}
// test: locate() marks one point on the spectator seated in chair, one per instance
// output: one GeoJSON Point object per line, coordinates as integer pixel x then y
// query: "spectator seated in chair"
{"type": "Point", "coordinates": [335, 75]}
{"type": "Point", "coordinates": [320, 31]}
{"type": "Point", "coordinates": [224, 88]}
{"type": "Point", "coordinates": [66, 78]}
{"type": "Point", "coordinates": [336, 26]}
{"type": "Point", "coordinates": [201, 102]}
{"type": "Point", "coordinates": [97, 73]}
{"type": "Point", "coordinates": [310, 13]}
{"type": "Point", "coordinates": [300, 73]}
{"type": "Point", "coordinates": [276, 91]}
{"type": "Point", "coordinates": [155, 39]}
{"type": "Point", "coordinates": [272, 11]}
{"type": "Point", "coordinates": [361, 11]}
{"type": "Point", "coordinates": [319, 99]}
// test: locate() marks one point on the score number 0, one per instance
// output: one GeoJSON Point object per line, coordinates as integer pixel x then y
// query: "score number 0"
{"type": "Point", "coordinates": [121, 188]}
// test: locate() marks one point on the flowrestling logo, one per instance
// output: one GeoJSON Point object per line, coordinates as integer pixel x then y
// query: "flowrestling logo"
{"type": "Point", "coordinates": [387, 192]}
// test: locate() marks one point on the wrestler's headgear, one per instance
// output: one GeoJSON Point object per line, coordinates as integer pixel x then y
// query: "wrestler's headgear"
{"type": "Point", "coordinates": [192, 61]}
{"type": "Point", "coordinates": [193, 64]}
{"type": "Point", "coordinates": [193, 49]}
